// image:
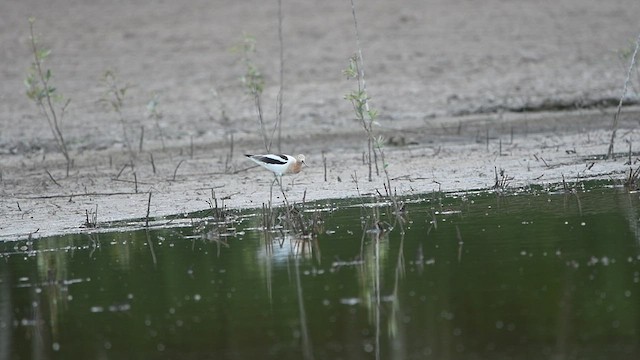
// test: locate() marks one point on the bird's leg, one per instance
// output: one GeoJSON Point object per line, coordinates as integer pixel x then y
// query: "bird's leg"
{"type": "Point", "coordinates": [279, 180]}
{"type": "Point", "coordinates": [275, 179]}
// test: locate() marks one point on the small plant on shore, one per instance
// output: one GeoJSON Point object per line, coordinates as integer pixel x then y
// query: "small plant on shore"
{"type": "Point", "coordinates": [220, 115]}
{"type": "Point", "coordinates": [91, 217]}
{"type": "Point", "coordinates": [367, 116]}
{"type": "Point", "coordinates": [154, 114]}
{"type": "Point", "coordinates": [44, 94]}
{"type": "Point", "coordinates": [114, 96]}
{"type": "Point", "coordinates": [253, 81]}
{"type": "Point", "coordinates": [359, 99]}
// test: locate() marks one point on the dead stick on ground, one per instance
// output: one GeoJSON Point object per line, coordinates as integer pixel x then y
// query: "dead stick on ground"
{"type": "Point", "coordinates": [78, 195]}
{"type": "Point", "coordinates": [324, 162]}
{"type": "Point", "coordinates": [51, 177]}
{"type": "Point", "coordinates": [176, 170]}
{"type": "Point", "coordinates": [153, 164]}
{"type": "Point", "coordinates": [141, 138]}
{"type": "Point", "coordinates": [121, 170]}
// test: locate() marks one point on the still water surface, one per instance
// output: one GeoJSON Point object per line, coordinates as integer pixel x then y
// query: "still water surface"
{"type": "Point", "coordinates": [531, 276]}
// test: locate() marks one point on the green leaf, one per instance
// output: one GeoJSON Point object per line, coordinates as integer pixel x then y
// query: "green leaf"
{"type": "Point", "coordinates": [58, 97]}
{"type": "Point", "coordinates": [29, 80]}
{"type": "Point", "coordinates": [152, 105]}
{"type": "Point", "coordinates": [42, 54]}
{"type": "Point", "coordinates": [47, 76]}
{"type": "Point", "coordinates": [351, 71]}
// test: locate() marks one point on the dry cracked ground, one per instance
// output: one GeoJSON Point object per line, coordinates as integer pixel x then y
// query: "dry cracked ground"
{"type": "Point", "coordinates": [463, 88]}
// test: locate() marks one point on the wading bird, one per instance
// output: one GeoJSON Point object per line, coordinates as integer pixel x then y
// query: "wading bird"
{"type": "Point", "coordinates": [279, 164]}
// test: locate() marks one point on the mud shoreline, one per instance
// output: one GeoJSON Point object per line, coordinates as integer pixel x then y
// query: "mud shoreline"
{"type": "Point", "coordinates": [462, 88]}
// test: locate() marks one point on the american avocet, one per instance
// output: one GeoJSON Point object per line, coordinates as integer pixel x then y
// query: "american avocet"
{"type": "Point", "coordinates": [279, 164]}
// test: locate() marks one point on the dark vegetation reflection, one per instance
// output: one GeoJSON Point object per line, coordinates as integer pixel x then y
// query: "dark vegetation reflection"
{"type": "Point", "coordinates": [450, 277]}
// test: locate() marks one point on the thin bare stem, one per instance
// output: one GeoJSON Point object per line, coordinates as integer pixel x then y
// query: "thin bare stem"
{"type": "Point", "coordinates": [175, 171]}
{"type": "Point", "coordinates": [146, 224]}
{"type": "Point", "coordinates": [51, 177]}
{"type": "Point", "coordinates": [360, 57]}
{"type": "Point", "coordinates": [624, 92]}
{"type": "Point", "coordinates": [263, 131]}
{"type": "Point", "coordinates": [281, 92]}
{"type": "Point", "coordinates": [141, 138]}
{"type": "Point", "coordinates": [324, 163]}
{"type": "Point", "coordinates": [153, 164]}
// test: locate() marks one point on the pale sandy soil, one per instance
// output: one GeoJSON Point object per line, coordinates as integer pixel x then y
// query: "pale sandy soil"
{"type": "Point", "coordinates": [445, 76]}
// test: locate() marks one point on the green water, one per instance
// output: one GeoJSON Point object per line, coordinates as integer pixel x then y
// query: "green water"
{"type": "Point", "coordinates": [474, 277]}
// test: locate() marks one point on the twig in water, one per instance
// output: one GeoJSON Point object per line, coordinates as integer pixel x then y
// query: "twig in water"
{"type": "Point", "coordinates": [575, 192]}
{"type": "Point", "coordinates": [460, 243]}
{"type": "Point", "coordinates": [153, 253]}
{"type": "Point", "coordinates": [632, 180]}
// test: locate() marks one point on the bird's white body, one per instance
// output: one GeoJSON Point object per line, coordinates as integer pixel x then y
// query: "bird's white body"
{"type": "Point", "coordinates": [279, 164]}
